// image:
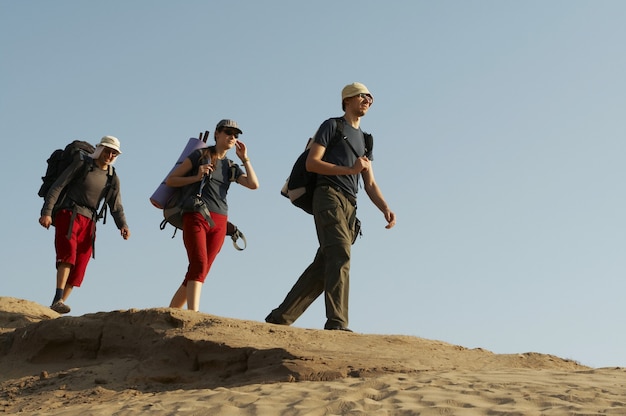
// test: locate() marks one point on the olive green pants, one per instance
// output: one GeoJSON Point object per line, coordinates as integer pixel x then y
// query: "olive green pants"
{"type": "Point", "coordinates": [329, 273]}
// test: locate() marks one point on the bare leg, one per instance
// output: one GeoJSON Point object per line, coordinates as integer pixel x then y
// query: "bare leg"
{"type": "Point", "coordinates": [63, 272]}
{"type": "Point", "coordinates": [66, 292]}
{"type": "Point", "coordinates": [180, 298]}
{"type": "Point", "coordinates": [194, 288]}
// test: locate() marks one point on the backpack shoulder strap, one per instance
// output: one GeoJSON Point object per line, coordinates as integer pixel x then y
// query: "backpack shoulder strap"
{"type": "Point", "coordinates": [369, 142]}
{"type": "Point", "coordinates": [232, 170]}
{"type": "Point", "coordinates": [107, 194]}
{"type": "Point", "coordinates": [87, 167]}
{"type": "Point", "coordinates": [340, 136]}
{"type": "Point", "coordinates": [338, 130]}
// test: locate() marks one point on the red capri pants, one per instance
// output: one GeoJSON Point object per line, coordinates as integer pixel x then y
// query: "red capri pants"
{"type": "Point", "coordinates": [77, 250]}
{"type": "Point", "coordinates": [202, 242]}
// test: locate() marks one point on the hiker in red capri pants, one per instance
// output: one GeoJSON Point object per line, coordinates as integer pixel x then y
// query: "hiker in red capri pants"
{"type": "Point", "coordinates": [210, 173]}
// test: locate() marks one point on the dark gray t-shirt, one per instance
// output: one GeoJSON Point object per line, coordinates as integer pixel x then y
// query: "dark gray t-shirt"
{"type": "Point", "coordinates": [85, 193]}
{"type": "Point", "coordinates": [215, 190]}
{"type": "Point", "coordinates": [339, 153]}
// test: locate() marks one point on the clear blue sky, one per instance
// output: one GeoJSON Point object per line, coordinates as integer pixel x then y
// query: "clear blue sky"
{"type": "Point", "coordinates": [500, 141]}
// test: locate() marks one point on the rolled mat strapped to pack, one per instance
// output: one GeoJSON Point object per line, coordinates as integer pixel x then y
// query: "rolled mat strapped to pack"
{"type": "Point", "coordinates": [164, 192]}
{"type": "Point", "coordinates": [161, 197]}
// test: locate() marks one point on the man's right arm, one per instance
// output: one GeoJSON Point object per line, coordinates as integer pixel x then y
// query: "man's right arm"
{"type": "Point", "coordinates": [315, 164]}
{"type": "Point", "coordinates": [55, 190]}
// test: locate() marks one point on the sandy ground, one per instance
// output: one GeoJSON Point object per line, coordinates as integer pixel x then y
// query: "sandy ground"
{"type": "Point", "coordinates": [176, 362]}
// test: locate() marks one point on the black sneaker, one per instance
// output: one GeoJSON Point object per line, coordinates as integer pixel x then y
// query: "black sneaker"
{"type": "Point", "coordinates": [270, 320]}
{"type": "Point", "coordinates": [338, 328]}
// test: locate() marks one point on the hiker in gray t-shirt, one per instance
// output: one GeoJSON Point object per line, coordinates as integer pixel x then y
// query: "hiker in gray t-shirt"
{"type": "Point", "coordinates": [338, 168]}
{"type": "Point", "coordinates": [75, 215]}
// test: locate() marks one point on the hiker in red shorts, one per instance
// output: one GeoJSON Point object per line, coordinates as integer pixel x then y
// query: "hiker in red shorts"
{"type": "Point", "coordinates": [73, 202]}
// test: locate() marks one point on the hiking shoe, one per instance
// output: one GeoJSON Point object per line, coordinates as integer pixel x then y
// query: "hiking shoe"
{"type": "Point", "coordinates": [270, 320]}
{"type": "Point", "coordinates": [338, 328]}
{"type": "Point", "coordinates": [60, 307]}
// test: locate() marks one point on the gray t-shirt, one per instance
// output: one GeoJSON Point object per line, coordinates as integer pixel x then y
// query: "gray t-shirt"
{"type": "Point", "coordinates": [85, 193]}
{"type": "Point", "coordinates": [339, 153]}
{"type": "Point", "coordinates": [215, 190]}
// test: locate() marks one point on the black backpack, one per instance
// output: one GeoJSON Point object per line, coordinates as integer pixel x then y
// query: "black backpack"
{"type": "Point", "coordinates": [301, 183]}
{"type": "Point", "coordinates": [61, 159]}
{"type": "Point", "coordinates": [188, 198]}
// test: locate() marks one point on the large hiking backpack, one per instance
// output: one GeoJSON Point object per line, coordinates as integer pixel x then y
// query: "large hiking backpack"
{"type": "Point", "coordinates": [301, 183]}
{"type": "Point", "coordinates": [60, 159]}
{"type": "Point", "coordinates": [176, 201]}
{"type": "Point", "coordinates": [184, 199]}
{"type": "Point", "coordinates": [187, 199]}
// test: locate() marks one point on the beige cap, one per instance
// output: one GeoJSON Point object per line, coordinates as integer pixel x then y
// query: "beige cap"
{"type": "Point", "coordinates": [354, 89]}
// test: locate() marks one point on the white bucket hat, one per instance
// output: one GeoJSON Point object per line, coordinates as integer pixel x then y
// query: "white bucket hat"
{"type": "Point", "coordinates": [110, 142]}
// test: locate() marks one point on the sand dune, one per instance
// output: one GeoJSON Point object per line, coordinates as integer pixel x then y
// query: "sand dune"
{"type": "Point", "coordinates": [176, 362]}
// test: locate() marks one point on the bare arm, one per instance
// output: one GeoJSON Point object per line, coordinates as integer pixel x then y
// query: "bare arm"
{"type": "Point", "coordinates": [177, 177]}
{"type": "Point", "coordinates": [376, 196]}
{"type": "Point", "coordinates": [314, 163]}
{"type": "Point", "coordinates": [249, 179]}
{"type": "Point", "coordinates": [363, 165]}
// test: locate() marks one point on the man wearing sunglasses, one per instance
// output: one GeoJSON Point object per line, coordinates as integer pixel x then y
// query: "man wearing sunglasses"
{"type": "Point", "coordinates": [79, 191]}
{"type": "Point", "coordinates": [338, 167]}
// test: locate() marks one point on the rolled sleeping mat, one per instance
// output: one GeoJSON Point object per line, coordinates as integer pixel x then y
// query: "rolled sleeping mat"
{"type": "Point", "coordinates": [164, 192]}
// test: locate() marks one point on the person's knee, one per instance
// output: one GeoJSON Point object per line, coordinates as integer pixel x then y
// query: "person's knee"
{"type": "Point", "coordinates": [196, 280]}
{"type": "Point", "coordinates": [337, 253]}
{"type": "Point", "coordinates": [339, 249]}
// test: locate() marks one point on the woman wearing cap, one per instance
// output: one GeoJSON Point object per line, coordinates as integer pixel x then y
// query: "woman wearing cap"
{"type": "Point", "coordinates": [82, 185]}
{"type": "Point", "coordinates": [209, 172]}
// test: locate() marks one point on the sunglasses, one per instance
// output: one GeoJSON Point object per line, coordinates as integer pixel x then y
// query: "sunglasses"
{"type": "Point", "coordinates": [367, 97]}
{"type": "Point", "coordinates": [231, 132]}
{"type": "Point", "coordinates": [112, 152]}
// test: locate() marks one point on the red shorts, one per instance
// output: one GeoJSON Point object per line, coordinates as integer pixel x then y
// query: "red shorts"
{"type": "Point", "coordinates": [77, 250]}
{"type": "Point", "coordinates": [202, 243]}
